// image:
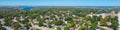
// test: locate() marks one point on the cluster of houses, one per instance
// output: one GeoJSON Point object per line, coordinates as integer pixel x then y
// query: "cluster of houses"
{"type": "Point", "coordinates": [35, 26]}
{"type": "Point", "coordinates": [103, 15]}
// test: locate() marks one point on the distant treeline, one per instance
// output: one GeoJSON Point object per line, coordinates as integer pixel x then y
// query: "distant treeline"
{"type": "Point", "coordinates": [9, 12]}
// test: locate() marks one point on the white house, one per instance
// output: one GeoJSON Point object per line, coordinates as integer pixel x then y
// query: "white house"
{"type": "Point", "coordinates": [119, 20]}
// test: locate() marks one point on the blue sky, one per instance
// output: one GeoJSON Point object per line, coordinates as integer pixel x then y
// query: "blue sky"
{"type": "Point", "coordinates": [59, 2]}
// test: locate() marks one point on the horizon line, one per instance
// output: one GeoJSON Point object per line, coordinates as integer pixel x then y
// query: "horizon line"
{"type": "Point", "coordinates": [22, 5]}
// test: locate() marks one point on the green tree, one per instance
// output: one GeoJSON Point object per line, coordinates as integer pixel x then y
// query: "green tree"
{"type": "Point", "coordinates": [16, 25]}
{"type": "Point", "coordinates": [114, 22]}
{"type": "Point", "coordinates": [66, 28]}
{"type": "Point", "coordinates": [2, 28]}
{"type": "Point", "coordinates": [93, 26]}
{"type": "Point", "coordinates": [83, 28]}
{"type": "Point", "coordinates": [27, 25]}
{"type": "Point", "coordinates": [103, 22]}
{"type": "Point", "coordinates": [40, 24]}
{"type": "Point", "coordinates": [8, 21]}
{"type": "Point", "coordinates": [25, 21]}
{"type": "Point", "coordinates": [58, 28]}
{"type": "Point", "coordinates": [58, 22]}
{"type": "Point", "coordinates": [68, 19]}
{"type": "Point", "coordinates": [72, 23]}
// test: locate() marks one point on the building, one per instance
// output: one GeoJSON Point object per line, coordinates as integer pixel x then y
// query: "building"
{"type": "Point", "coordinates": [119, 20]}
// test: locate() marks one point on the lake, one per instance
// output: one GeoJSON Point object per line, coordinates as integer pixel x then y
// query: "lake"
{"type": "Point", "coordinates": [98, 7]}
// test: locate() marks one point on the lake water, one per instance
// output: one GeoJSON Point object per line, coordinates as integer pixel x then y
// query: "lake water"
{"type": "Point", "coordinates": [99, 7]}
